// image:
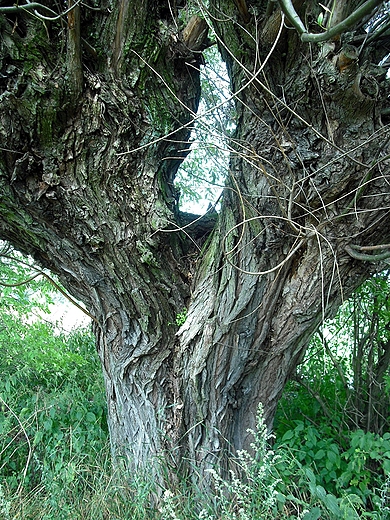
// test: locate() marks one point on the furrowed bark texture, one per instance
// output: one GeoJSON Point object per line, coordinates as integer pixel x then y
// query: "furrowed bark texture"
{"type": "Point", "coordinates": [75, 196]}
{"type": "Point", "coordinates": [308, 176]}
{"type": "Point", "coordinates": [91, 141]}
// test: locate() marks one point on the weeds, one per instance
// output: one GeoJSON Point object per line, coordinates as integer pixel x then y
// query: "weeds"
{"type": "Point", "coordinates": [55, 456]}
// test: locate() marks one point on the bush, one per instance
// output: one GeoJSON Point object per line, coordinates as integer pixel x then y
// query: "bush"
{"type": "Point", "coordinates": [54, 411]}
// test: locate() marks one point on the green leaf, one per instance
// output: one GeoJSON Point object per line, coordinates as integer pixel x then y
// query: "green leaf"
{"type": "Point", "coordinates": [320, 493]}
{"type": "Point", "coordinates": [90, 417]}
{"type": "Point", "coordinates": [310, 475]}
{"type": "Point", "coordinates": [313, 514]}
{"type": "Point", "coordinates": [48, 425]}
{"type": "Point", "coordinates": [319, 455]}
{"type": "Point", "coordinates": [288, 435]}
{"type": "Point", "coordinates": [331, 503]}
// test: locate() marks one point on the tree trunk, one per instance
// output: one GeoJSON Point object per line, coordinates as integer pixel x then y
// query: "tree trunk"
{"type": "Point", "coordinates": [90, 148]}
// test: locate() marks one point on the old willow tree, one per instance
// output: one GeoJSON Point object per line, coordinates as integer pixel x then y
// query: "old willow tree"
{"type": "Point", "coordinates": [97, 101]}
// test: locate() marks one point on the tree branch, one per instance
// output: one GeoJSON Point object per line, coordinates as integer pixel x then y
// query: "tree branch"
{"type": "Point", "coordinates": [292, 16]}
{"type": "Point", "coordinates": [299, 379]}
{"type": "Point", "coordinates": [334, 361]}
{"type": "Point", "coordinates": [243, 10]}
{"type": "Point", "coordinates": [23, 282]}
{"type": "Point", "coordinates": [354, 252]}
{"type": "Point", "coordinates": [36, 5]}
{"type": "Point", "coordinates": [39, 272]}
{"type": "Point", "coordinates": [26, 7]}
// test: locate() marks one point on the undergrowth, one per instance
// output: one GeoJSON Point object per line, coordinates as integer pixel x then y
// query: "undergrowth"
{"type": "Point", "coordinates": [55, 455]}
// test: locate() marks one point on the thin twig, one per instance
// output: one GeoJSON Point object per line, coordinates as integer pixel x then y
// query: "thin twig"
{"type": "Point", "coordinates": [20, 486]}
{"type": "Point", "coordinates": [53, 283]}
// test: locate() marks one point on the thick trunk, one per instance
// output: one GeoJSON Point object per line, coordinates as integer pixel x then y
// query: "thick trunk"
{"type": "Point", "coordinates": [90, 149]}
{"type": "Point", "coordinates": [307, 178]}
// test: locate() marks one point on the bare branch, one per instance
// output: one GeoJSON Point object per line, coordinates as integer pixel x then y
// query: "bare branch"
{"type": "Point", "coordinates": [27, 7]}
{"type": "Point", "coordinates": [299, 379]}
{"type": "Point", "coordinates": [23, 282]}
{"type": "Point", "coordinates": [353, 251]}
{"type": "Point", "coordinates": [39, 272]}
{"type": "Point", "coordinates": [292, 16]}
{"type": "Point", "coordinates": [34, 6]}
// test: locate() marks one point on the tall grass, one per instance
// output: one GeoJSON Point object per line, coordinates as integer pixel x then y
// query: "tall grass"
{"type": "Point", "coordinates": [55, 457]}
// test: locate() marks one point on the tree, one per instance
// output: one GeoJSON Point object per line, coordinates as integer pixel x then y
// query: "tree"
{"type": "Point", "coordinates": [342, 384]}
{"type": "Point", "coordinates": [97, 104]}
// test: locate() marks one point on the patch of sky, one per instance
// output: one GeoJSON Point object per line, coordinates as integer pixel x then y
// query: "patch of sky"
{"type": "Point", "coordinates": [202, 174]}
{"type": "Point", "coordinates": [378, 27]}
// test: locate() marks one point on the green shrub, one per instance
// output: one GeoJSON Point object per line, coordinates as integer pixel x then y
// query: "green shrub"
{"type": "Point", "coordinates": [359, 473]}
{"type": "Point", "coordinates": [53, 404]}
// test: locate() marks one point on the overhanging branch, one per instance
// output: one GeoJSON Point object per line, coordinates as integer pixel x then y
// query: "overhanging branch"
{"type": "Point", "coordinates": [293, 17]}
{"type": "Point", "coordinates": [26, 7]}
{"type": "Point", "coordinates": [35, 6]}
{"type": "Point", "coordinates": [39, 272]}
{"type": "Point", "coordinates": [356, 252]}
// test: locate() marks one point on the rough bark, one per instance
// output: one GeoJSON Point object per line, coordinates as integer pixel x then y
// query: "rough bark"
{"type": "Point", "coordinates": [90, 146]}
{"type": "Point", "coordinates": [307, 178]}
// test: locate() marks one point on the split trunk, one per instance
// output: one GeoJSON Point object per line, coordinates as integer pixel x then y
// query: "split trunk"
{"type": "Point", "coordinates": [95, 119]}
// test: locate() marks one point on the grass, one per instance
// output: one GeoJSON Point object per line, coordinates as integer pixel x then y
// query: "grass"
{"type": "Point", "coordinates": [80, 484]}
{"type": "Point", "coordinates": [55, 455]}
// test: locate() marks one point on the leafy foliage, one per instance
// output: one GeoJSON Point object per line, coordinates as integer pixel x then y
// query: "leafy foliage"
{"type": "Point", "coordinates": [51, 398]}
{"type": "Point", "coordinates": [344, 378]}
{"type": "Point", "coordinates": [335, 413]}
{"type": "Point", "coordinates": [17, 296]}
{"type": "Point", "coordinates": [53, 420]}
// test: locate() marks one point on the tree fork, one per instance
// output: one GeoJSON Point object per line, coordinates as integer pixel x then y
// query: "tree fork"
{"type": "Point", "coordinates": [88, 190]}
